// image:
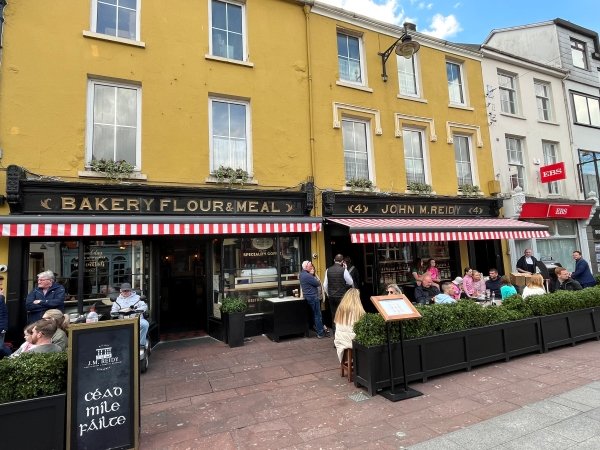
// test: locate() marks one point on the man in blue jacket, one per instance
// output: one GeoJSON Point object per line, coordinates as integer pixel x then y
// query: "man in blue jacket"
{"type": "Point", "coordinates": [47, 295]}
{"type": "Point", "coordinates": [582, 272]}
{"type": "Point", "coordinates": [310, 289]}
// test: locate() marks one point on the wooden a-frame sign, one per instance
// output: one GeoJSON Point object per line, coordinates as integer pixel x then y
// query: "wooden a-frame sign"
{"type": "Point", "coordinates": [395, 307]}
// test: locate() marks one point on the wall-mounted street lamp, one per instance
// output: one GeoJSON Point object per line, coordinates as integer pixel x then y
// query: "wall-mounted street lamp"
{"type": "Point", "coordinates": [404, 46]}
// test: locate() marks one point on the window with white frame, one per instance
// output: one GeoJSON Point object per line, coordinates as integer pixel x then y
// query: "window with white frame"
{"type": "Point", "coordinates": [229, 134]}
{"type": "Point", "coordinates": [543, 100]}
{"type": "Point", "coordinates": [119, 18]}
{"type": "Point", "coordinates": [227, 28]}
{"type": "Point", "coordinates": [516, 167]}
{"type": "Point", "coordinates": [114, 119]}
{"type": "Point", "coordinates": [408, 76]}
{"type": "Point", "coordinates": [349, 58]}
{"type": "Point", "coordinates": [578, 54]}
{"type": "Point", "coordinates": [507, 84]}
{"type": "Point", "coordinates": [462, 156]}
{"type": "Point", "coordinates": [355, 136]}
{"type": "Point", "coordinates": [456, 85]}
{"type": "Point", "coordinates": [414, 156]}
{"type": "Point", "coordinates": [550, 150]}
{"type": "Point", "coordinates": [587, 109]}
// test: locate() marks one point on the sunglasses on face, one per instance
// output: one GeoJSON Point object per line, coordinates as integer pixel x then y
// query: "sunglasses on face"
{"type": "Point", "coordinates": [391, 292]}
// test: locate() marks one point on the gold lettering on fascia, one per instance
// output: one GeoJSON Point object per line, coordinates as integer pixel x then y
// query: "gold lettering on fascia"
{"type": "Point", "coordinates": [398, 209]}
{"type": "Point", "coordinates": [129, 204]}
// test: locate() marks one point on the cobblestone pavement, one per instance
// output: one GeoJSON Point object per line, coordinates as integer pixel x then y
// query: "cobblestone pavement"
{"type": "Point", "coordinates": [201, 394]}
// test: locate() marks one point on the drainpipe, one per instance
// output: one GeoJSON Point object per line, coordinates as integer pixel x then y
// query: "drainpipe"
{"type": "Point", "coordinates": [311, 118]}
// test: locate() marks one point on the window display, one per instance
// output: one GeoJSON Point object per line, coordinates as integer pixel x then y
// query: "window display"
{"type": "Point", "coordinates": [255, 268]}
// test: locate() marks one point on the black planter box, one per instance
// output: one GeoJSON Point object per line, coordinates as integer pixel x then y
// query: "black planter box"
{"type": "Point", "coordinates": [445, 353]}
{"type": "Point", "coordinates": [234, 325]}
{"type": "Point", "coordinates": [570, 327]}
{"type": "Point", "coordinates": [285, 317]}
{"type": "Point", "coordinates": [37, 423]}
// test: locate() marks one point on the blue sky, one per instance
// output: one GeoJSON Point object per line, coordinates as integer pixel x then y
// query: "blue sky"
{"type": "Point", "coordinates": [470, 21]}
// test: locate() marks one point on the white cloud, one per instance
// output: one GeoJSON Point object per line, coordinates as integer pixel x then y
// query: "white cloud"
{"type": "Point", "coordinates": [387, 11]}
{"type": "Point", "coordinates": [443, 27]}
{"type": "Point", "coordinates": [457, 5]}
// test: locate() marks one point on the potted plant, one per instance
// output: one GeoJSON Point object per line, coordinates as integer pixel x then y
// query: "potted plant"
{"type": "Point", "coordinates": [230, 175]}
{"type": "Point", "coordinates": [113, 170]}
{"type": "Point", "coordinates": [233, 313]}
{"type": "Point", "coordinates": [32, 391]}
{"type": "Point", "coordinates": [469, 190]}
{"type": "Point", "coordinates": [419, 188]}
{"type": "Point", "coordinates": [464, 335]}
{"type": "Point", "coordinates": [360, 183]}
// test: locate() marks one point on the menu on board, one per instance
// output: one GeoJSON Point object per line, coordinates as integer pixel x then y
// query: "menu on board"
{"type": "Point", "coordinates": [103, 385]}
{"type": "Point", "coordinates": [395, 307]}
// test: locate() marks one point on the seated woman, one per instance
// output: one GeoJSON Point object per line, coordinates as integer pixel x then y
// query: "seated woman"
{"type": "Point", "coordinates": [467, 284]}
{"type": "Point", "coordinates": [393, 289]}
{"type": "Point", "coordinates": [432, 270]}
{"type": "Point", "coordinates": [348, 313]}
{"type": "Point", "coordinates": [456, 286]}
{"type": "Point", "coordinates": [535, 286]}
{"type": "Point", "coordinates": [506, 288]}
{"type": "Point", "coordinates": [27, 345]}
{"type": "Point", "coordinates": [62, 322]}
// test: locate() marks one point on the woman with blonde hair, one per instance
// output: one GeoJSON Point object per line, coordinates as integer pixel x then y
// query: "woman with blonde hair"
{"type": "Point", "coordinates": [535, 286]}
{"type": "Point", "coordinates": [348, 313]}
{"type": "Point", "coordinates": [62, 322]}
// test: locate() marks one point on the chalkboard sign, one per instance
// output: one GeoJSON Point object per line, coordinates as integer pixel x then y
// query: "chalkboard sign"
{"type": "Point", "coordinates": [103, 385]}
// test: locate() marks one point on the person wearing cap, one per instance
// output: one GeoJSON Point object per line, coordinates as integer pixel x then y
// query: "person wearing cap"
{"type": "Point", "coordinates": [456, 286]}
{"type": "Point", "coordinates": [493, 283]}
{"type": "Point", "coordinates": [129, 300]}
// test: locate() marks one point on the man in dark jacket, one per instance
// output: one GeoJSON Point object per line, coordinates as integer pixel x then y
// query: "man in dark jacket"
{"type": "Point", "coordinates": [527, 263]}
{"type": "Point", "coordinates": [564, 282]}
{"type": "Point", "coordinates": [310, 289]}
{"type": "Point", "coordinates": [353, 271]}
{"type": "Point", "coordinates": [47, 295]}
{"type": "Point", "coordinates": [494, 283]}
{"type": "Point", "coordinates": [426, 291]}
{"type": "Point", "coordinates": [337, 282]}
{"type": "Point", "coordinates": [582, 272]}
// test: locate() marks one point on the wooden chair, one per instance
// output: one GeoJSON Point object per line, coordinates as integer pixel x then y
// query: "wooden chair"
{"type": "Point", "coordinates": [346, 364]}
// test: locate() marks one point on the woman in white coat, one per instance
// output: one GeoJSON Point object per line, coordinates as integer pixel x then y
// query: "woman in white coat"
{"type": "Point", "coordinates": [348, 313]}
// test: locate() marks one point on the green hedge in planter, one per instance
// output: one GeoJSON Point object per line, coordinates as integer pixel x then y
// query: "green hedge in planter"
{"type": "Point", "coordinates": [439, 319]}
{"type": "Point", "coordinates": [32, 375]}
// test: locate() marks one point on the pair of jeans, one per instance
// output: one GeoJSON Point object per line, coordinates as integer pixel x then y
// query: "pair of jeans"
{"type": "Point", "coordinates": [144, 325]}
{"type": "Point", "coordinates": [315, 307]}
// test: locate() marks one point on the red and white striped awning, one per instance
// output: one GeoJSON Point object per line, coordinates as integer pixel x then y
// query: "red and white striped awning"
{"type": "Point", "coordinates": [39, 226]}
{"type": "Point", "coordinates": [373, 230]}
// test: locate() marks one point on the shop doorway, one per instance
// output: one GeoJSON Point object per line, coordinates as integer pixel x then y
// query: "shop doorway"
{"type": "Point", "coordinates": [182, 289]}
{"type": "Point", "coordinates": [484, 255]}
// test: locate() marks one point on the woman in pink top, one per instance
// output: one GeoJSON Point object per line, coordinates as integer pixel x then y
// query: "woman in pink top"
{"type": "Point", "coordinates": [478, 284]}
{"type": "Point", "coordinates": [468, 282]}
{"type": "Point", "coordinates": [433, 271]}
{"type": "Point", "coordinates": [456, 288]}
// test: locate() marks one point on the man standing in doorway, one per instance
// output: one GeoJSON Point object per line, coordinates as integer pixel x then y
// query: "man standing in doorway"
{"type": "Point", "coordinates": [337, 282]}
{"type": "Point", "coordinates": [527, 263]}
{"type": "Point", "coordinates": [582, 272]}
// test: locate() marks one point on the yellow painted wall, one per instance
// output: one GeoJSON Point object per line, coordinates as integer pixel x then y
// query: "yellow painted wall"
{"type": "Point", "coordinates": [388, 149]}
{"type": "Point", "coordinates": [47, 62]}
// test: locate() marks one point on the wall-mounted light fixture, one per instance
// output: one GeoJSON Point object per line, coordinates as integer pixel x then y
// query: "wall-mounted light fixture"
{"type": "Point", "coordinates": [404, 46]}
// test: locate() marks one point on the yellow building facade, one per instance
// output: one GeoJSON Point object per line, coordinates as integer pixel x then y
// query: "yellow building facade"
{"type": "Point", "coordinates": [186, 96]}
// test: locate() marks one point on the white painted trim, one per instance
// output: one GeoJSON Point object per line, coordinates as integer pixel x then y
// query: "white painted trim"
{"type": "Point", "coordinates": [94, 24]}
{"type": "Point", "coordinates": [107, 37]}
{"type": "Point", "coordinates": [339, 107]}
{"type": "Point", "coordinates": [241, 4]}
{"type": "Point", "coordinates": [464, 126]}
{"type": "Point", "coordinates": [347, 84]}
{"type": "Point", "coordinates": [229, 61]}
{"type": "Point", "coordinates": [428, 121]}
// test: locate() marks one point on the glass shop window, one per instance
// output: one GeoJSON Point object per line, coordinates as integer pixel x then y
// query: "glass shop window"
{"type": "Point", "coordinates": [255, 268]}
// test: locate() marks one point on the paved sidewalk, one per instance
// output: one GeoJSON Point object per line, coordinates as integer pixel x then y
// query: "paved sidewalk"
{"type": "Point", "coordinates": [567, 421]}
{"type": "Point", "coordinates": [200, 394]}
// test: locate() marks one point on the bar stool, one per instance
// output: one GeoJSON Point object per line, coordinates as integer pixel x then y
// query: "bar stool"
{"type": "Point", "coordinates": [346, 364]}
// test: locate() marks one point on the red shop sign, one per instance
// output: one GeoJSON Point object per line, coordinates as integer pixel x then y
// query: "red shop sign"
{"type": "Point", "coordinates": [555, 211]}
{"type": "Point", "coordinates": [553, 172]}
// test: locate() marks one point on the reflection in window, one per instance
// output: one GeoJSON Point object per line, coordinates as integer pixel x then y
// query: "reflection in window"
{"type": "Point", "coordinates": [589, 169]}
{"type": "Point", "coordinates": [227, 33]}
{"type": "Point", "coordinates": [414, 159]}
{"type": "Point", "coordinates": [255, 268]}
{"type": "Point", "coordinates": [116, 18]}
{"type": "Point", "coordinates": [349, 63]}
{"type": "Point", "coordinates": [578, 54]}
{"type": "Point", "coordinates": [107, 264]}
